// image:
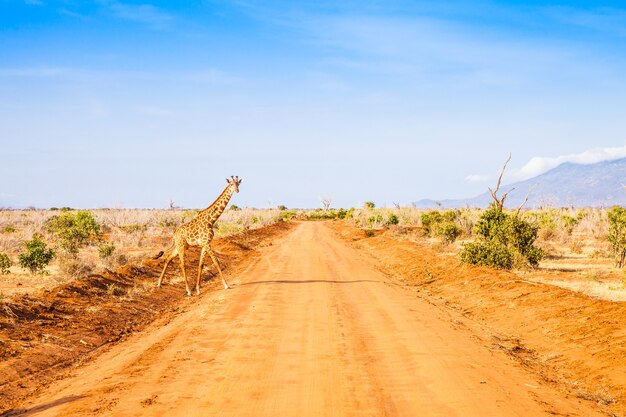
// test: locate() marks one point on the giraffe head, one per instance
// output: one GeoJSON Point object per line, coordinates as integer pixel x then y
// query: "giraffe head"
{"type": "Point", "coordinates": [234, 181]}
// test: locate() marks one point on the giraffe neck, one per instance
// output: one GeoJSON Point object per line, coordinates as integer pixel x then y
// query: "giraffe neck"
{"type": "Point", "coordinates": [215, 210]}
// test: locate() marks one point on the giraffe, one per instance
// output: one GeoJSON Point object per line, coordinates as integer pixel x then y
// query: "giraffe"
{"type": "Point", "coordinates": [199, 232]}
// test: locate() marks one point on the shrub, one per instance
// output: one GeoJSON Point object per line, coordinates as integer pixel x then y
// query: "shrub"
{"type": "Point", "coordinates": [121, 259]}
{"type": "Point", "coordinates": [429, 220]}
{"type": "Point", "coordinates": [106, 250]}
{"type": "Point", "coordinates": [504, 241]}
{"type": "Point", "coordinates": [441, 224]}
{"type": "Point", "coordinates": [569, 223]}
{"type": "Point", "coordinates": [168, 222]}
{"type": "Point", "coordinates": [392, 219]}
{"type": "Point", "coordinates": [74, 266]}
{"type": "Point", "coordinates": [448, 231]}
{"type": "Point", "coordinates": [488, 253]}
{"type": "Point", "coordinates": [37, 255]}
{"type": "Point", "coordinates": [375, 219]}
{"type": "Point", "coordinates": [134, 228]}
{"type": "Point", "coordinates": [617, 233]}
{"type": "Point", "coordinates": [74, 230]}
{"type": "Point", "coordinates": [287, 215]}
{"type": "Point", "coordinates": [342, 213]}
{"type": "Point", "coordinates": [9, 229]}
{"type": "Point", "coordinates": [369, 205]}
{"type": "Point", "coordinates": [318, 214]}
{"type": "Point", "coordinates": [5, 263]}
{"type": "Point", "coordinates": [234, 207]}
{"type": "Point", "coordinates": [281, 207]}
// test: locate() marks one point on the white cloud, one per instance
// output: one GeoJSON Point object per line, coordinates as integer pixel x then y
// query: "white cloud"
{"type": "Point", "coordinates": [477, 178]}
{"type": "Point", "coordinates": [539, 164]}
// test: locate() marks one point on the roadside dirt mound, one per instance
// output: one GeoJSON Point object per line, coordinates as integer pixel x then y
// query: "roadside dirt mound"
{"type": "Point", "coordinates": [574, 341]}
{"type": "Point", "coordinates": [43, 335]}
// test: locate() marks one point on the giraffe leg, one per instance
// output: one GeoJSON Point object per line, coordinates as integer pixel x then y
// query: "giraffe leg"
{"type": "Point", "coordinates": [169, 259]}
{"type": "Point", "coordinates": [214, 259]}
{"type": "Point", "coordinates": [181, 256]}
{"type": "Point", "coordinates": [200, 270]}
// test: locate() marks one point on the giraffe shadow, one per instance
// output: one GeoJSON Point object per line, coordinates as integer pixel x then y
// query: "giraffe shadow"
{"type": "Point", "coordinates": [306, 281]}
{"type": "Point", "coordinates": [42, 407]}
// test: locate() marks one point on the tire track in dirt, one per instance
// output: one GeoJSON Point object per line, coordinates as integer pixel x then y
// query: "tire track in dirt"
{"type": "Point", "coordinates": [310, 329]}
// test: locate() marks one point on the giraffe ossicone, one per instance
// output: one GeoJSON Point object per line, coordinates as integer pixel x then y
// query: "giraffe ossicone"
{"type": "Point", "coordinates": [199, 232]}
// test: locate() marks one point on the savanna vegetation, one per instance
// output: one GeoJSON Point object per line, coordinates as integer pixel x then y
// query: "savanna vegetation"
{"type": "Point", "coordinates": [57, 245]}
{"type": "Point", "coordinates": [61, 244]}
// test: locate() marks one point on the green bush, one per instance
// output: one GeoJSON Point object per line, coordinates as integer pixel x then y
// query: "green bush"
{"type": "Point", "coordinates": [281, 207]}
{"type": "Point", "coordinates": [37, 255]}
{"type": "Point", "coordinates": [5, 263]}
{"type": "Point", "coordinates": [375, 219]}
{"type": "Point", "coordinates": [287, 215]}
{"type": "Point", "coordinates": [134, 228]}
{"type": "Point", "coordinates": [319, 214]}
{"type": "Point", "coordinates": [487, 253]}
{"type": "Point", "coordinates": [369, 205]}
{"type": "Point", "coordinates": [9, 229]}
{"type": "Point", "coordinates": [441, 224]}
{"type": "Point", "coordinates": [429, 220]}
{"type": "Point", "coordinates": [448, 232]}
{"type": "Point", "coordinates": [617, 233]}
{"type": "Point", "coordinates": [569, 223]}
{"type": "Point", "coordinates": [392, 219]}
{"type": "Point", "coordinates": [74, 230]}
{"type": "Point", "coordinates": [106, 250]}
{"type": "Point", "coordinates": [504, 241]}
{"type": "Point", "coordinates": [342, 213]}
{"type": "Point", "coordinates": [168, 222]}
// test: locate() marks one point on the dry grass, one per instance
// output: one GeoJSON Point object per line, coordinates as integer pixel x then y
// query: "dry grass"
{"type": "Point", "coordinates": [611, 290]}
{"type": "Point", "coordinates": [574, 240]}
{"type": "Point", "coordinates": [134, 234]}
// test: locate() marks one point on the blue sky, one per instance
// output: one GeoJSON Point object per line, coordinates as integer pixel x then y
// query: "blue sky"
{"type": "Point", "coordinates": [131, 104]}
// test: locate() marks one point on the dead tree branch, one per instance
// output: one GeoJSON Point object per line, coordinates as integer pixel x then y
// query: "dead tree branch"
{"type": "Point", "coordinates": [530, 190]}
{"type": "Point", "coordinates": [326, 201]}
{"type": "Point", "coordinates": [494, 193]}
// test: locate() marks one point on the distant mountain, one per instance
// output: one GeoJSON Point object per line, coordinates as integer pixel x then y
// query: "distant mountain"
{"type": "Point", "coordinates": [569, 184]}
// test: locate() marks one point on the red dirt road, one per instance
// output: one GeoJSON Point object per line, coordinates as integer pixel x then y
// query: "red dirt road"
{"type": "Point", "coordinates": [309, 329]}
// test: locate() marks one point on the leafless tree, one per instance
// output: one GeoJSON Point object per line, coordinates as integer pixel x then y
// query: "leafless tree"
{"type": "Point", "coordinates": [530, 190]}
{"type": "Point", "coordinates": [396, 205]}
{"type": "Point", "coordinates": [326, 201]}
{"type": "Point", "coordinates": [494, 193]}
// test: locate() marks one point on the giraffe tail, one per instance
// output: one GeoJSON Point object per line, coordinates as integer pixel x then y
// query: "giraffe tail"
{"type": "Point", "coordinates": [158, 255]}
